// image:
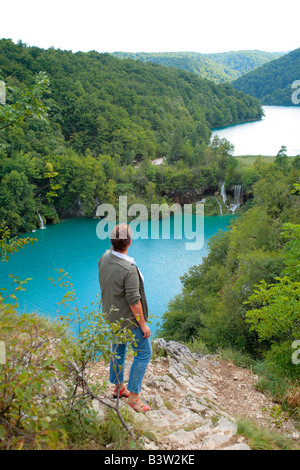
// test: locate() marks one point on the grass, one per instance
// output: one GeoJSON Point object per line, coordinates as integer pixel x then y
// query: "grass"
{"type": "Point", "coordinates": [264, 439]}
{"type": "Point", "coordinates": [248, 160]}
{"type": "Point", "coordinates": [86, 432]}
{"type": "Point", "coordinates": [239, 358]}
{"type": "Point", "coordinates": [283, 392]}
{"type": "Point", "coordinates": [281, 389]}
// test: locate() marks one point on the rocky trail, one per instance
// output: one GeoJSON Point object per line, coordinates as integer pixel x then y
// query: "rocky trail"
{"type": "Point", "coordinates": [195, 401]}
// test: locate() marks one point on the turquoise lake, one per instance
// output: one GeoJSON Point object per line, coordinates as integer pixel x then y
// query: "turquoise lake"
{"type": "Point", "coordinates": [73, 246]}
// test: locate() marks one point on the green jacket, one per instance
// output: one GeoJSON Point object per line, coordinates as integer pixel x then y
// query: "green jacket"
{"type": "Point", "coordinates": [121, 285]}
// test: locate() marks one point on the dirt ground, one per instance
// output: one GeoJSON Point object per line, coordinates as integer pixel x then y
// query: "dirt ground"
{"type": "Point", "coordinates": [238, 396]}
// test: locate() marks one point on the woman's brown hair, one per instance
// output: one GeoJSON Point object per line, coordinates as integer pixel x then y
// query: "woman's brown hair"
{"type": "Point", "coordinates": [120, 237]}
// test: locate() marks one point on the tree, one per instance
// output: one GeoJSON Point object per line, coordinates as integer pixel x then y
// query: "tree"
{"type": "Point", "coordinates": [276, 312]}
{"type": "Point", "coordinates": [296, 162]}
{"type": "Point", "coordinates": [273, 192]}
{"type": "Point", "coordinates": [17, 207]}
{"type": "Point", "coordinates": [28, 105]}
{"type": "Point", "coordinates": [282, 160]}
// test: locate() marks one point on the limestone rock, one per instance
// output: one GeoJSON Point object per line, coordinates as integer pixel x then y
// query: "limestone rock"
{"type": "Point", "coordinates": [226, 426]}
{"type": "Point", "coordinates": [181, 437]}
{"type": "Point", "coordinates": [176, 350]}
{"type": "Point", "coordinates": [185, 413]}
{"type": "Point", "coordinates": [241, 446]}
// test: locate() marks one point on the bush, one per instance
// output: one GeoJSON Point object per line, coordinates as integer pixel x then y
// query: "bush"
{"type": "Point", "coordinates": [28, 412]}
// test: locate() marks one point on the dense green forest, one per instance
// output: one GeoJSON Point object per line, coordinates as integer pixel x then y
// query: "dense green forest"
{"type": "Point", "coordinates": [220, 303]}
{"type": "Point", "coordinates": [107, 119]}
{"type": "Point", "coordinates": [218, 67]}
{"type": "Point", "coordinates": [272, 82]}
{"type": "Point", "coordinates": [244, 61]}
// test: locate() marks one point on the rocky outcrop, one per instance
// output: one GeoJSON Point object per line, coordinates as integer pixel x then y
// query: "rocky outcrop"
{"type": "Point", "coordinates": [185, 413]}
{"type": "Point", "coordinates": [184, 406]}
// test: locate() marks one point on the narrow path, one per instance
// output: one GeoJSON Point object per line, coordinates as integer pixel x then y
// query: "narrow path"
{"type": "Point", "coordinates": [196, 401]}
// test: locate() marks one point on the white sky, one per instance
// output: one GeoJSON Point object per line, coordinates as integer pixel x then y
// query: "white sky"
{"type": "Point", "coordinates": [153, 26]}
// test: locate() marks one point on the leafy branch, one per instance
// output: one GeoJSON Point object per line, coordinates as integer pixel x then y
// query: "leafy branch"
{"type": "Point", "coordinates": [28, 105]}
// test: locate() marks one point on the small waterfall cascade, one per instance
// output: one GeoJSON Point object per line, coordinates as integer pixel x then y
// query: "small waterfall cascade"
{"type": "Point", "coordinates": [42, 226]}
{"type": "Point", "coordinates": [238, 197]}
{"type": "Point", "coordinates": [223, 193]}
{"type": "Point", "coordinates": [221, 212]}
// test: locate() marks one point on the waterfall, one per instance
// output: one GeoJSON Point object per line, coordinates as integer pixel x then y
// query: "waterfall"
{"type": "Point", "coordinates": [238, 197]}
{"type": "Point", "coordinates": [221, 212]}
{"type": "Point", "coordinates": [223, 193]}
{"type": "Point", "coordinates": [42, 226]}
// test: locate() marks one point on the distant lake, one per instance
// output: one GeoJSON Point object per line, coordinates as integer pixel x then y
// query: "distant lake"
{"type": "Point", "coordinates": [280, 126]}
{"type": "Point", "coordinates": [72, 245]}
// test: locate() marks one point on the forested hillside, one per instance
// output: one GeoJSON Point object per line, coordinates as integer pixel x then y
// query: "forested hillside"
{"type": "Point", "coordinates": [123, 107]}
{"type": "Point", "coordinates": [245, 293]}
{"type": "Point", "coordinates": [194, 62]}
{"type": "Point", "coordinates": [104, 115]}
{"type": "Point", "coordinates": [218, 67]}
{"type": "Point", "coordinates": [272, 83]}
{"type": "Point", "coordinates": [244, 61]}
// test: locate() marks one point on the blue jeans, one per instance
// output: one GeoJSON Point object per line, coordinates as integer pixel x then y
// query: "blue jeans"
{"type": "Point", "coordinates": [138, 368]}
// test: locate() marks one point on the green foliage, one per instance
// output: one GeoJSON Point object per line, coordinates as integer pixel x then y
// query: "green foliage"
{"type": "Point", "coordinates": [275, 316]}
{"type": "Point", "coordinates": [28, 413]}
{"type": "Point", "coordinates": [8, 245]}
{"type": "Point", "coordinates": [239, 358]}
{"type": "Point", "coordinates": [244, 61]}
{"type": "Point", "coordinates": [222, 67]}
{"type": "Point", "coordinates": [28, 105]}
{"type": "Point", "coordinates": [70, 184]}
{"type": "Point", "coordinates": [124, 107]}
{"type": "Point", "coordinates": [273, 191]}
{"type": "Point", "coordinates": [107, 119]}
{"type": "Point", "coordinates": [212, 306]}
{"type": "Point", "coordinates": [272, 82]}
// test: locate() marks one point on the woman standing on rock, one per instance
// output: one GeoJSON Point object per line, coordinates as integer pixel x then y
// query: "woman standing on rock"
{"type": "Point", "coordinates": [123, 296]}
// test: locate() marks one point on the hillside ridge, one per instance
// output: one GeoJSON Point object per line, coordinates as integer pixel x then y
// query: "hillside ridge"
{"type": "Point", "coordinates": [219, 67]}
{"type": "Point", "coordinates": [272, 82]}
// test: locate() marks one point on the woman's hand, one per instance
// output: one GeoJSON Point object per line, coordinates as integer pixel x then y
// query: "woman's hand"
{"type": "Point", "coordinates": [137, 311]}
{"type": "Point", "coordinates": [146, 330]}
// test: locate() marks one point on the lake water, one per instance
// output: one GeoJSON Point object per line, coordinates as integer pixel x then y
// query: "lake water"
{"type": "Point", "coordinates": [73, 246]}
{"type": "Point", "coordinates": [280, 126]}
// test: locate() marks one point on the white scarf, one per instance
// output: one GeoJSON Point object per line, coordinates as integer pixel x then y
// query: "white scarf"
{"type": "Point", "coordinates": [127, 258]}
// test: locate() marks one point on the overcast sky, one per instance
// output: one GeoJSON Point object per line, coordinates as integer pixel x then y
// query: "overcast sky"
{"type": "Point", "coordinates": [153, 26]}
